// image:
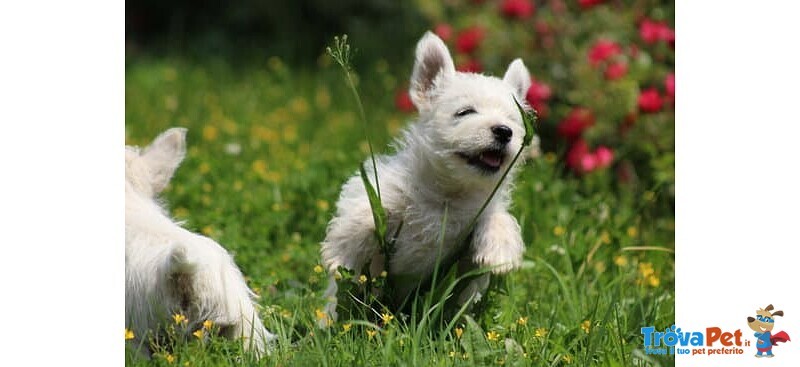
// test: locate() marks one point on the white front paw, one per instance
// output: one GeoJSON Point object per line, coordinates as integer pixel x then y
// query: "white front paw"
{"type": "Point", "coordinates": [498, 243]}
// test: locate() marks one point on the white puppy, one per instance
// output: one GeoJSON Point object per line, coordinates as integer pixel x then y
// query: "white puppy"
{"type": "Point", "coordinates": [169, 270]}
{"type": "Point", "coordinates": [468, 131]}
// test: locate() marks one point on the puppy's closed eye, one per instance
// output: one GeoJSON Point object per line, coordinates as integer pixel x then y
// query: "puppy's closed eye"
{"type": "Point", "coordinates": [465, 111]}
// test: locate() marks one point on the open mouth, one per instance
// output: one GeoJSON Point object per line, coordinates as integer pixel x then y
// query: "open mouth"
{"type": "Point", "coordinates": [489, 160]}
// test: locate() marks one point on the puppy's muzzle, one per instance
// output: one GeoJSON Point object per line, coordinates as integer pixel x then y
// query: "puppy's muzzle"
{"type": "Point", "coordinates": [502, 133]}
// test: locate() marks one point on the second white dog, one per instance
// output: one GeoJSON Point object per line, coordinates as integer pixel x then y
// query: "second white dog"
{"type": "Point", "coordinates": [169, 270]}
{"type": "Point", "coordinates": [468, 130]}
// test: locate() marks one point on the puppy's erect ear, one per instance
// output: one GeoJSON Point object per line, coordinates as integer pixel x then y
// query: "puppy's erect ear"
{"type": "Point", "coordinates": [163, 156]}
{"type": "Point", "coordinates": [518, 77]}
{"type": "Point", "coordinates": [777, 313]}
{"type": "Point", "coordinates": [432, 63]}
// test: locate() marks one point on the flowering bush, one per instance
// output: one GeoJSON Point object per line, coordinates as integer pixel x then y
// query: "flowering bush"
{"type": "Point", "coordinates": [603, 76]}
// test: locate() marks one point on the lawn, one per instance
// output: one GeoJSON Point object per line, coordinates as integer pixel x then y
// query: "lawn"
{"type": "Point", "coordinates": [270, 146]}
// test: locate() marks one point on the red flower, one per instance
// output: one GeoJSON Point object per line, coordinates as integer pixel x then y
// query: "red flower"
{"type": "Point", "coordinates": [602, 51]}
{"type": "Point", "coordinates": [604, 155]}
{"type": "Point", "coordinates": [520, 9]}
{"type": "Point", "coordinates": [578, 120]}
{"type": "Point", "coordinates": [616, 70]}
{"type": "Point", "coordinates": [588, 163]}
{"type": "Point", "coordinates": [650, 101]}
{"type": "Point", "coordinates": [669, 84]}
{"type": "Point", "coordinates": [403, 101]}
{"type": "Point", "coordinates": [538, 91]}
{"type": "Point", "coordinates": [537, 94]}
{"type": "Point", "coordinates": [575, 154]}
{"type": "Point", "coordinates": [444, 31]}
{"type": "Point", "coordinates": [469, 39]}
{"type": "Point", "coordinates": [586, 4]}
{"type": "Point", "coordinates": [651, 32]}
{"type": "Point", "coordinates": [470, 66]}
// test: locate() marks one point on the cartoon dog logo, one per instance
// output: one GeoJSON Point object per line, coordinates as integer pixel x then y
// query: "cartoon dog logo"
{"type": "Point", "coordinates": [762, 324]}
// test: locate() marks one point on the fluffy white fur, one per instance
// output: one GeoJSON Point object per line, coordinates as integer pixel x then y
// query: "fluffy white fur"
{"type": "Point", "coordinates": [429, 170]}
{"type": "Point", "coordinates": [170, 270]}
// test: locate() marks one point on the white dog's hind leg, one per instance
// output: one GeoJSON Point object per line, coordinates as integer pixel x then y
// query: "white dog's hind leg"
{"type": "Point", "coordinates": [208, 286]}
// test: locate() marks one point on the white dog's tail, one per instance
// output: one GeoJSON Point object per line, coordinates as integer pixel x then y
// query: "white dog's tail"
{"type": "Point", "coordinates": [206, 275]}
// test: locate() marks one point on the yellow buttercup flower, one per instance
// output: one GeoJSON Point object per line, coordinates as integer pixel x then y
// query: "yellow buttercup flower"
{"type": "Point", "coordinates": [179, 318]}
{"type": "Point", "coordinates": [208, 324]}
{"type": "Point", "coordinates": [362, 279]}
{"type": "Point", "coordinates": [387, 317]}
{"type": "Point", "coordinates": [632, 231]}
{"type": "Point", "coordinates": [459, 331]}
{"type": "Point", "coordinates": [371, 333]}
{"type": "Point", "coordinates": [567, 358]}
{"type": "Point", "coordinates": [129, 334]}
{"type": "Point", "coordinates": [346, 327]}
{"type": "Point", "coordinates": [492, 335]}
{"type": "Point", "coordinates": [559, 231]}
{"type": "Point", "coordinates": [318, 269]}
{"type": "Point", "coordinates": [199, 333]}
{"type": "Point", "coordinates": [621, 260]}
{"type": "Point", "coordinates": [210, 133]}
{"type": "Point", "coordinates": [586, 325]}
{"type": "Point", "coordinates": [540, 332]}
{"type": "Point", "coordinates": [522, 321]}
{"type": "Point", "coordinates": [170, 358]}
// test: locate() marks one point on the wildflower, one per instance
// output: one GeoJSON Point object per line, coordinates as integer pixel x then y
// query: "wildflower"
{"type": "Point", "coordinates": [444, 31]}
{"type": "Point", "coordinates": [522, 321]}
{"type": "Point", "coordinates": [170, 358]}
{"type": "Point", "coordinates": [646, 269]}
{"type": "Point", "coordinates": [540, 332]}
{"type": "Point", "coordinates": [621, 260]}
{"type": "Point", "coordinates": [605, 238]}
{"type": "Point", "coordinates": [492, 335]}
{"type": "Point", "coordinates": [452, 354]}
{"type": "Point", "coordinates": [371, 333]}
{"type": "Point", "coordinates": [651, 32]}
{"type": "Point", "coordinates": [129, 334]}
{"type": "Point", "coordinates": [616, 70]}
{"type": "Point", "coordinates": [604, 156]}
{"type": "Point", "coordinates": [179, 318]}
{"type": "Point", "coordinates": [233, 148]}
{"type": "Point", "coordinates": [469, 39]}
{"type": "Point", "coordinates": [403, 101]}
{"type": "Point", "coordinates": [204, 168]}
{"type": "Point", "coordinates": [322, 205]}
{"type": "Point", "coordinates": [669, 85]}
{"type": "Point", "coordinates": [318, 269]}
{"type": "Point", "coordinates": [567, 359]}
{"type": "Point", "coordinates": [459, 331]}
{"type": "Point", "coordinates": [653, 281]}
{"type": "Point", "coordinates": [520, 9]}
{"type": "Point", "coordinates": [346, 327]}
{"type": "Point", "coordinates": [208, 324]}
{"type": "Point", "coordinates": [599, 267]}
{"type": "Point", "coordinates": [387, 317]}
{"type": "Point", "coordinates": [210, 133]}
{"type": "Point", "coordinates": [632, 231]}
{"type": "Point", "coordinates": [650, 101]}
{"type": "Point", "coordinates": [587, 4]}
{"type": "Point", "coordinates": [199, 333]}
{"type": "Point", "coordinates": [384, 274]}
{"type": "Point", "coordinates": [559, 231]}
{"type": "Point", "coordinates": [557, 249]}
{"type": "Point", "coordinates": [573, 125]}
{"type": "Point", "coordinates": [362, 278]}
{"type": "Point", "coordinates": [322, 316]}
{"type": "Point", "coordinates": [586, 325]}
{"type": "Point", "coordinates": [207, 230]}
{"type": "Point", "coordinates": [602, 51]}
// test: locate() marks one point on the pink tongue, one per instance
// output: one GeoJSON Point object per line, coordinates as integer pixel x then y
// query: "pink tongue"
{"type": "Point", "coordinates": [490, 159]}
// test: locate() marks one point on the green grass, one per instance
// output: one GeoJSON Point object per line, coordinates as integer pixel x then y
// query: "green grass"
{"type": "Point", "coordinates": [580, 299]}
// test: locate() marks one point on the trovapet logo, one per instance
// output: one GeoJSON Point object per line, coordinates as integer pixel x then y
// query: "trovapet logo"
{"type": "Point", "coordinates": [716, 341]}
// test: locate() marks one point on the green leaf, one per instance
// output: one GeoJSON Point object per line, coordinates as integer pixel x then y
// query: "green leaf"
{"type": "Point", "coordinates": [529, 120]}
{"type": "Point", "coordinates": [378, 214]}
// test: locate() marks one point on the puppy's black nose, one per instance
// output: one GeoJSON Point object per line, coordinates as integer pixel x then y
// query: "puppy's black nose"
{"type": "Point", "coordinates": [502, 133]}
